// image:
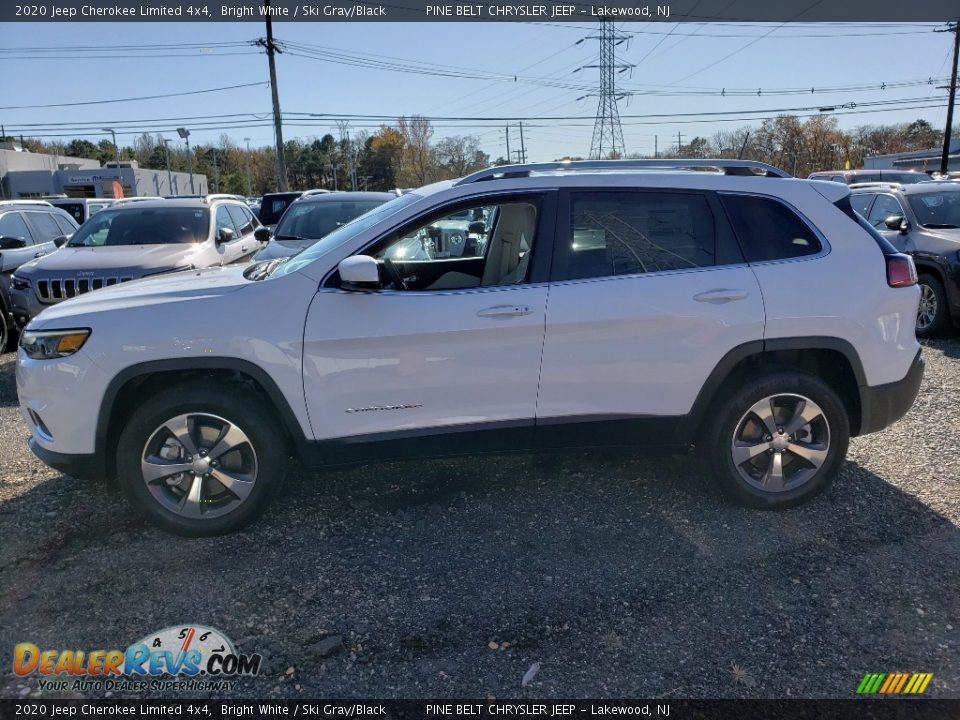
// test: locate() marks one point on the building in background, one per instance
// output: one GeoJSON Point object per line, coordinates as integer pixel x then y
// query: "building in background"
{"type": "Point", "coordinates": [25, 174]}
{"type": "Point", "coordinates": [927, 161]}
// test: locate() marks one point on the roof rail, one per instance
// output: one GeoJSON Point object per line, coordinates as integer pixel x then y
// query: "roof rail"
{"type": "Point", "coordinates": [25, 201]}
{"type": "Point", "coordinates": [729, 167]}
{"type": "Point", "coordinates": [877, 184]}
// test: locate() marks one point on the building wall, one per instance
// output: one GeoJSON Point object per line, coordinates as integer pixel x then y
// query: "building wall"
{"type": "Point", "coordinates": [923, 160]}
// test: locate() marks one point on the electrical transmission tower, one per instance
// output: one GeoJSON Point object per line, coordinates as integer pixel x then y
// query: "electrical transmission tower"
{"type": "Point", "coordinates": [607, 133]}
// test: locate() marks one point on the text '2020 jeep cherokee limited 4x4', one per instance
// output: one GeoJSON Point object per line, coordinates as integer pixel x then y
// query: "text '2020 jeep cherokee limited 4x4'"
{"type": "Point", "coordinates": [607, 303]}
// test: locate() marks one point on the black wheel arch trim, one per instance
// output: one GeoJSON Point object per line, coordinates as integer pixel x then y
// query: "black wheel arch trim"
{"type": "Point", "coordinates": [142, 370]}
{"type": "Point", "coordinates": [721, 373]}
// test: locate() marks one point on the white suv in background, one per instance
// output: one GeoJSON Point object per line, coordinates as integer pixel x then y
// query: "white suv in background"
{"type": "Point", "coordinates": [667, 303]}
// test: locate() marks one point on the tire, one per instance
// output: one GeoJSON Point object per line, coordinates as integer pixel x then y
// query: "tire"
{"type": "Point", "coordinates": [809, 457]}
{"type": "Point", "coordinates": [209, 417]}
{"type": "Point", "coordinates": [932, 312]}
{"type": "Point", "coordinates": [5, 335]}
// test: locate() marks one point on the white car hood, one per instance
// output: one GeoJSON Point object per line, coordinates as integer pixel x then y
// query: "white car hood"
{"type": "Point", "coordinates": [156, 291]}
{"type": "Point", "coordinates": [115, 257]}
{"type": "Point", "coordinates": [282, 248]}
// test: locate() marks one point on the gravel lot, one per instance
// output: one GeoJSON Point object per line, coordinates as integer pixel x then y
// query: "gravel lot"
{"type": "Point", "coordinates": [621, 576]}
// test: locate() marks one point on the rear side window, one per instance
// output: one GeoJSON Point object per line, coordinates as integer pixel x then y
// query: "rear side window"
{"type": "Point", "coordinates": [769, 230]}
{"type": "Point", "coordinates": [13, 226]}
{"type": "Point", "coordinates": [636, 232]}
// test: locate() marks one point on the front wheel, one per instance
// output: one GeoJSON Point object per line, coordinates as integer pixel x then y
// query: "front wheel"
{"type": "Point", "coordinates": [201, 459]}
{"type": "Point", "coordinates": [778, 440]}
{"type": "Point", "coordinates": [932, 312]}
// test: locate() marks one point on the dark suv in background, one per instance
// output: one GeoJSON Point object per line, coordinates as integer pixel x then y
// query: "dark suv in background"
{"type": "Point", "coordinates": [922, 221]}
{"type": "Point", "coordinates": [273, 205]}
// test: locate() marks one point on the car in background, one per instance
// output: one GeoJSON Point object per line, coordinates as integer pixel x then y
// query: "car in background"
{"type": "Point", "coordinates": [850, 177]}
{"type": "Point", "coordinates": [922, 220]}
{"type": "Point", "coordinates": [314, 216]}
{"type": "Point", "coordinates": [134, 241]}
{"type": "Point", "coordinates": [136, 199]}
{"type": "Point", "coordinates": [273, 205]}
{"type": "Point", "coordinates": [28, 230]}
{"type": "Point", "coordinates": [81, 209]}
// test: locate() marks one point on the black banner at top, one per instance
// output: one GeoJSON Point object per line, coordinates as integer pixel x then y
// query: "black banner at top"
{"type": "Point", "coordinates": [766, 11]}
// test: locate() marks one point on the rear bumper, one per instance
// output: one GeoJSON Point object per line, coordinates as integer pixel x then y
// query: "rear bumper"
{"type": "Point", "coordinates": [82, 467]}
{"type": "Point", "coordinates": [883, 405]}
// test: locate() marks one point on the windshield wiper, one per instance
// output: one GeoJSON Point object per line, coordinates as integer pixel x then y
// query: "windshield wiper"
{"type": "Point", "coordinates": [941, 226]}
{"type": "Point", "coordinates": [290, 237]}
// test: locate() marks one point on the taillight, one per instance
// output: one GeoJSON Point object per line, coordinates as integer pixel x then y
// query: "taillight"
{"type": "Point", "coordinates": [901, 272]}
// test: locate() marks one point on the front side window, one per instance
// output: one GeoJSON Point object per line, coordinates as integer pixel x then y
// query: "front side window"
{"type": "Point", "coordinates": [64, 224]}
{"type": "Point", "coordinates": [625, 233]}
{"type": "Point", "coordinates": [13, 226]}
{"type": "Point", "coordinates": [134, 225]}
{"type": "Point", "coordinates": [479, 246]}
{"type": "Point", "coordinates": [768, 229]}
{"type": "Point", "coordinates": [885, 206]}
{"type": "Point", "coordinates": [46, 226]}
{"type": "Point", "coordinates": [225, 222]}
{"type": "Point", "coordinates": [860, 202]}
{"type": "Point", "coordinates": [243, 223]}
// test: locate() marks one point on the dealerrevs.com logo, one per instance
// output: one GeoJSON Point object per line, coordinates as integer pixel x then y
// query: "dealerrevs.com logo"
{"type": "Point", "coordinates": [201, 658]}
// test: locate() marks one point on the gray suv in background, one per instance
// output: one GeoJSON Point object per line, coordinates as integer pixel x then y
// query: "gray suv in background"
{"type": "Point", "coordinates": [28, 229]}
{"type": "Point", "coordinates": [922, 220]}
{"type": "Point", "coordinates": [140, 239]}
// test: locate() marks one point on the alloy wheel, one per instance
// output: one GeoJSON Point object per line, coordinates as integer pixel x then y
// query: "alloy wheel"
{"type": "Point", "coordinates": [780, 443]}
{"type": "Point", "coordinates": [927, 312]}
{"type": "Point", "coordinates": [199, 465]}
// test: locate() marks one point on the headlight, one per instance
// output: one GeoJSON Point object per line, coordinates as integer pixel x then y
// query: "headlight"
{"type": "Point", "coordinates": [19, 283]}
{"type": "Point", "coordinates": [49, 344]}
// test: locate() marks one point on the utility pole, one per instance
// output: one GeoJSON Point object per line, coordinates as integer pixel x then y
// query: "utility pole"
{"type": "Point", "coordinates": [347, 145]}
{"type": "Point", "coordinates": [656, 147]}
{"type": "Point", "coordinates": [116, 149]}
{"type": "Point", "coordinates": [945, 155]}
{"type": "Point", "coordinates": [277, 122]}
{"type": "Point", "coordinates": [607, 131]}
{"type": "Point", "coordinates": [166, 147]}
{"type": "Point", "coordinates": [508, 141]}
{"type": "Point", "coordinates": [216, 169]}
{"type": "Point", "coordinates": [249, 184]}
{"type": "Point", "coordinates": [185, 134]}
{"type": "Point", "coordinates": [679, 144]}
{"type": "Point", "coordinates": [523, 146]}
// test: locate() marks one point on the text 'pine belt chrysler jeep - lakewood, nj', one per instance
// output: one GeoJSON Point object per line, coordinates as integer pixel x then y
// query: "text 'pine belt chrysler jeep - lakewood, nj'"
{"type": "Point", "coordinates": [718, 303]}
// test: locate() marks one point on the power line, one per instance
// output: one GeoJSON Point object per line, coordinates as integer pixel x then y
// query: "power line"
{"type": "Point", "coordinates": [133, 99]}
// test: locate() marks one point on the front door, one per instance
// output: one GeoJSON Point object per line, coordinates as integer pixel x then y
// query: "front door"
{"type": "Point", "coordinates": [446, 356]}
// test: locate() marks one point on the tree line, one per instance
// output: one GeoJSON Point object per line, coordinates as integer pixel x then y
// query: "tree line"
{"type": "Point", "coordinates": [405, 154]}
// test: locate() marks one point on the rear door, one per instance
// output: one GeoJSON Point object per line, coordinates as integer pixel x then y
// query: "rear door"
{"type": "Point", "coordinates": [648, 292]}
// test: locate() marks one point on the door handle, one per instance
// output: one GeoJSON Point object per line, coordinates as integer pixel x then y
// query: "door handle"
{"type": "Point", "coordinates": [40, 254]}
{"type": "Point", "coordinates": [505, 311]}
{"type": "Point", "coordinates": [721, 296]}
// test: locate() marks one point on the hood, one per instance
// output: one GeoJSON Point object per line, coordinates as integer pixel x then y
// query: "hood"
{"type": "Point", "coordinates": [124, 259]}
{"type": "Point", "coordinates": [162, 290]}
{"type": "Point", "coordinates": [282, 248]}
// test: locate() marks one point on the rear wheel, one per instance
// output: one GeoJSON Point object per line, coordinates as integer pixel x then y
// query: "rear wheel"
{"type": "Point", "coordinates": [200, 459]}
{"type": "Point", "coordinates": [5, 333]}
{"type": "Point", "coordinates": [778, 440]}
{"type": "Point", "coordinates": [932, 312]}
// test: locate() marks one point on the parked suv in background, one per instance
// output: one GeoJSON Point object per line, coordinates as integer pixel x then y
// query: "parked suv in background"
{"type": "Point", "coordinates": [135, 240]}
{"type": "Point", "coordinates": [81, 209]}
{"type": "Point", "coordinates": [313, 216]}
{"type": "Point", "coordinates": [924, 222]}
{"type": "Point", "coordinates": [273, 205]}
{"type": "Point", "coordinates": [680, 312]}
{"type": "Point", "coordinates": [849, 177]}
{"type": "Point", "coordinates": [28, 230]}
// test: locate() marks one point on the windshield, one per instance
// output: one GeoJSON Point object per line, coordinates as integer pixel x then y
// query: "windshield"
{"type": "Point", "coordinates": [344, 233]}
{"type": "Point", "coordinates": [937, 209]}
{"type": "Point", "coordinates": [908, 178]}
{"type": "Point", "coordinates": [143, 226]}
{"type": "Point", "coordinates": [313, 220]}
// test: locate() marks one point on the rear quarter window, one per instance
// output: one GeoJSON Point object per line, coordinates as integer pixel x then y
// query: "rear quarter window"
{"type": "Point", "coordinates": [769, 230]}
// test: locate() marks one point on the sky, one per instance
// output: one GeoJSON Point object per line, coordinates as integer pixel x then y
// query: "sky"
{"type": "Point", "coordinates": [501, 70]}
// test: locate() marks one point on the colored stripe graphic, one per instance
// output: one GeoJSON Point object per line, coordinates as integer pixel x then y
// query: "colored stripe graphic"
{"type": "Point", "coordinates": [894, 683]}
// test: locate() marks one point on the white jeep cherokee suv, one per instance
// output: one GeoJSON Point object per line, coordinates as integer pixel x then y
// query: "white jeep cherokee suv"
{"type": "Point", "coordinates": [716, 303]}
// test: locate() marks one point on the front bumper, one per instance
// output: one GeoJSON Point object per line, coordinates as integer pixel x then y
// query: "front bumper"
{"type": "Point", "coordinates": [883, 405]}
{"type": "Point", "coordinates": [82, 467]}
{"type": "Point", "coordinates": [24, 306]}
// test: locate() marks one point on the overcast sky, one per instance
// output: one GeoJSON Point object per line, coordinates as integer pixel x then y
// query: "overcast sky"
{"type": "Point", "coordinates": [59, 63]}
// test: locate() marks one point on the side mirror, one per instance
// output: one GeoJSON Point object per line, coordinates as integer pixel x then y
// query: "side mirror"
{"type": "Point", "coordinates": [262, 234]}
{"type": "Point", "coordinates": [61, 241]}
{"type": "Point", "coordinates": [359, 272]}
{"type": "Point", "coordinates": [224, 235]}
{"type": "Point", "coordinates": [12, 243]}
{"type": "Point", "coordinates": [897, 222]}
{"type": "Point", "coordinates": [477, 228]}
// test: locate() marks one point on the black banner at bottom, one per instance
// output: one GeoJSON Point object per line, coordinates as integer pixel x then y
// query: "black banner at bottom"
{"type": "Point", "coordinates": [886, 709]}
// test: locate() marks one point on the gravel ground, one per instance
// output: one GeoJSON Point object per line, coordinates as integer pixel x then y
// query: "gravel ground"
{"type": "Point", "coordinates": [621, 576]}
